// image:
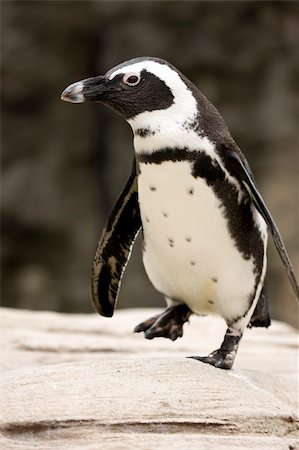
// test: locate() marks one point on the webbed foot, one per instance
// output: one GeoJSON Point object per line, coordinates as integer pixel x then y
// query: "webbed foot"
{"type": "Point", "coordinates": [224, 357]}
{"type": "Point", "coordinates": [169, 324]}
{"type": "Point", "coordinates": [217, 359]}
{"type": "Point", "coordinates": [143, 326]}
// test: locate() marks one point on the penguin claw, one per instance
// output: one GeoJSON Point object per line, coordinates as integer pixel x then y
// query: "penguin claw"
{"type": "Point", "coordinates": [176, 333]}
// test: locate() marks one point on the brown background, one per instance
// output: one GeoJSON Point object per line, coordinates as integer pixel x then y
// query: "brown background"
{"type": "Point", "coordinates": [63, 165]}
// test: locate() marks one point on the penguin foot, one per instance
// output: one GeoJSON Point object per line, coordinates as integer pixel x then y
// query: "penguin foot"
{"type": "Point", "coordinates": [224, 357]}
{"type": "Point", "coordinates": [169, 324]}
{"type": "Point", "coordinates": [143, 326]}
{"type": "Point", "coordinates": [217, 359]}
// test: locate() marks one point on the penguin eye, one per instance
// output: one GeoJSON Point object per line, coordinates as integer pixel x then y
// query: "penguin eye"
{"type": "Point", "coordinates": [131, 79]}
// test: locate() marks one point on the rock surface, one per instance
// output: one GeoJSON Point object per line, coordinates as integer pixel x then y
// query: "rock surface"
{"type": "Point", "coordinates": [86, 382]}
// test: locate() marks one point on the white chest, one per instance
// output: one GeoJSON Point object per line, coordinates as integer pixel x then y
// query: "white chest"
{"type": "Point", "coordinates": [189, 254]}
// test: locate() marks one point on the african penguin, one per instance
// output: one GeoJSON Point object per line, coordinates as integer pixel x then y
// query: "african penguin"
{"type": "Point", "coordinates": [191, 190]}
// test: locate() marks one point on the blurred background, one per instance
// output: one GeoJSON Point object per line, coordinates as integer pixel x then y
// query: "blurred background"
{"type": "Point", "coordinates": [63, 165]}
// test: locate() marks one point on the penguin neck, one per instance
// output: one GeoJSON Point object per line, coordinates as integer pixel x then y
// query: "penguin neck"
{"type": "Point", "coordinates": [158, 130]}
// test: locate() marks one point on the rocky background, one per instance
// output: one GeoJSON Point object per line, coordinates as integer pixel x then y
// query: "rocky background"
{"type": "Point", "coordinates": [63, 165]}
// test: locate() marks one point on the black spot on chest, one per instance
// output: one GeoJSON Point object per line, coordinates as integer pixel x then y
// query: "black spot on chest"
{"type": "Point", "coordinates": [171, 242]}
{"type": "Point", "coordinates": [145, 132]}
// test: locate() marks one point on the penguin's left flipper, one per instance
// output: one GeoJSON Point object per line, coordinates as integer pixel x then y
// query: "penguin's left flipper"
{"type": "Point", "coordinates": [239, 168]}
{"type": "Point", "coordinates": [114, 248]}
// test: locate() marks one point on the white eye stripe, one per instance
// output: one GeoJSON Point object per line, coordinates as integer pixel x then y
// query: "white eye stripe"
{"type": "Point", "coordinates": [131, 78]}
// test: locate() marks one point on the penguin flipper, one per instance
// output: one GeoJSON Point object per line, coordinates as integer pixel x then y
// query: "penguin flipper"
{"type": "Point", "coordinates": [238, 166]}
{"type": "Point", "coordinates": [114, 248]}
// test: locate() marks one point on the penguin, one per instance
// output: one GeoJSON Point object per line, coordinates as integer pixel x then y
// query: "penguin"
{"type": "Point", "coordinates": [191, 191]}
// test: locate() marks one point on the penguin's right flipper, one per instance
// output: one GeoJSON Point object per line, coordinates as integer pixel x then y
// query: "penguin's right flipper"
{"type": "Point", "coordinates": [114, 248]}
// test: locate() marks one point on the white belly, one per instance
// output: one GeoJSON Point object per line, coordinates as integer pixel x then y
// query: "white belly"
{"type": "Point", "coordinates": [189, 254]}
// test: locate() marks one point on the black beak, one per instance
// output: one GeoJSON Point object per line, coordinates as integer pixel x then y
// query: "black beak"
{"type": "Point", "coordinates": [90, 89]}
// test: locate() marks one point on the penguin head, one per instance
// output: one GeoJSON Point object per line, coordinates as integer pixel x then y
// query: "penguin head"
{"type": "Point", "coordinates": [139, 89]}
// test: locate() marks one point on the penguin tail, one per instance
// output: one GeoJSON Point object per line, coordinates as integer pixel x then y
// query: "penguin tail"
{"type": "Point", "coordinates": [261, 316]}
